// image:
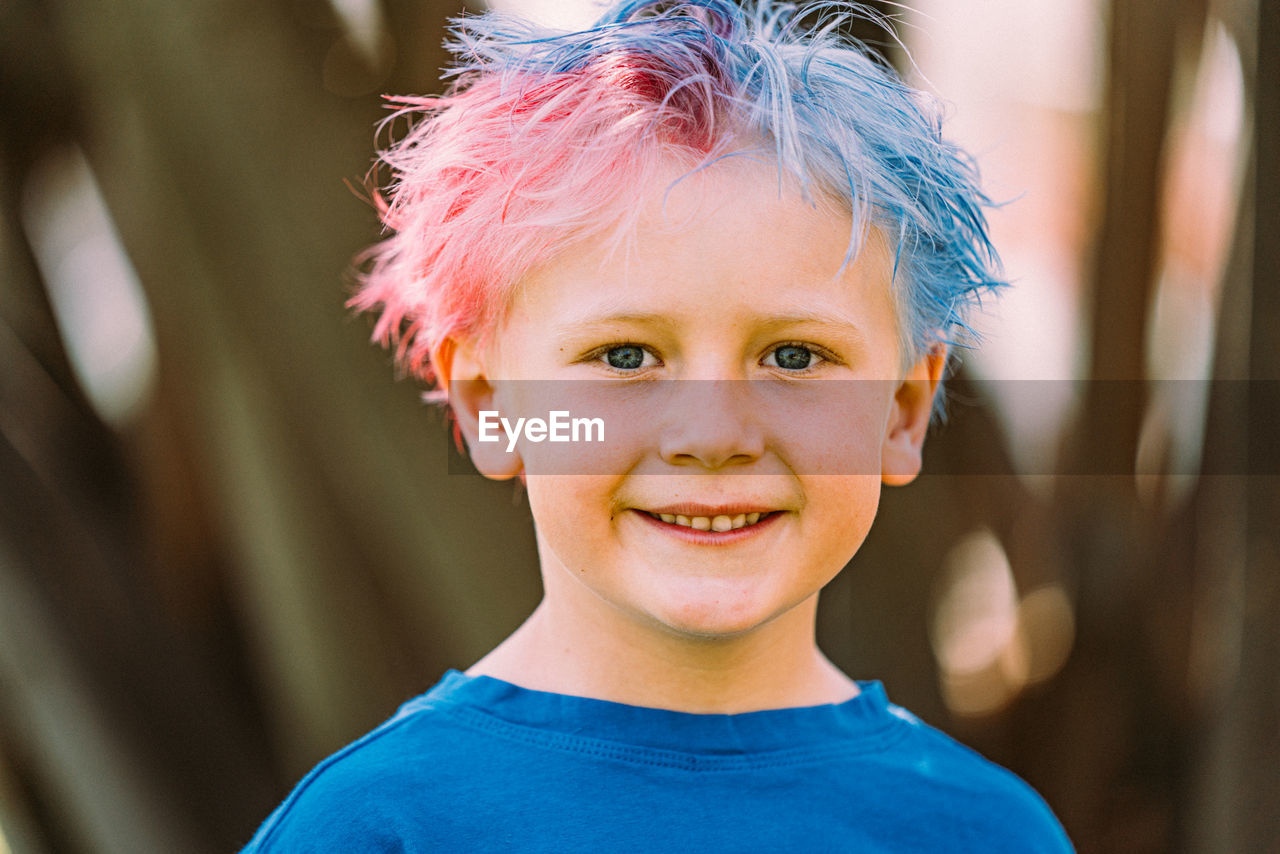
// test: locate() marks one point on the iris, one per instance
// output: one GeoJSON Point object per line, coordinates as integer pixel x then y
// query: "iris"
{"type": "Point", "coordinates": [628, 357]}
{"type": "Point", "coordinates": [793, 357]}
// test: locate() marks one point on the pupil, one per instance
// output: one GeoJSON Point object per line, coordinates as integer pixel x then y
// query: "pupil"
{"type": "Point", "coordinates": [627, 358]}
{"type": "Point", "coordinates": [793, 358]}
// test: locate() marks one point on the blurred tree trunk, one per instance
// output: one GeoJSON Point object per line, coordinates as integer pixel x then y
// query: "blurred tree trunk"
{"type": "Point", "coordinates": [1238, 773]}
{"type": "Point", "coordinates": [1111, 703]}
{"type": "Point", "coordinates": [110, 722]}
{"type": "Point", "coordinates": [1155, 588]}
{"type": "Point", "coordinates": [1257, 785]}
{"type": "Point", "coordinates": [274, 471]}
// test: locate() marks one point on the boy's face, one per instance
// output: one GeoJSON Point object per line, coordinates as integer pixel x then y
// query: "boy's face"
{"type": "Point", "coordinates": [730, 281]}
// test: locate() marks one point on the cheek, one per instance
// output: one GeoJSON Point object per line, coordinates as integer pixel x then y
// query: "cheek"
{"type": "Point", "coordinates": [555, 497]}
{"type": "Point", "coordinates": [833, 428]}
{"type": "Point", "coordinates": [843, 509]}
{"type": "Point", "coordinates": [573, 512]}
{"type": "Point", "coordinates": [592, 428]}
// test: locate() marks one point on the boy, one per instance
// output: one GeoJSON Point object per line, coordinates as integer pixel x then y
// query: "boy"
{"type": "Point", "coordinates": [686, 192]}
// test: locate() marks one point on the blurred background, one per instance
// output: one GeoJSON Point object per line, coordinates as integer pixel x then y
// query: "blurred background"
{"type": "Point", "coordinates": [229, 543]}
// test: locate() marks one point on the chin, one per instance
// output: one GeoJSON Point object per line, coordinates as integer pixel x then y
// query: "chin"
{"type": "Point", "coordinates": [714, 619]}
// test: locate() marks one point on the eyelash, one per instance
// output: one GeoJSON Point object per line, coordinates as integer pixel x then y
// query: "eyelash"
{"type": "Point", "coordinates": [824, 356]}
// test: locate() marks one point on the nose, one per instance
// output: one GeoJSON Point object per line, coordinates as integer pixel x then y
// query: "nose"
{"type": "Point", "coordinates": [711, 424]}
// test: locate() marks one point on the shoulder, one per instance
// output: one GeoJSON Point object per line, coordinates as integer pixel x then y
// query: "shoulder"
{"type": "Point", "coordinates": [988, 803]}
{"type": "Point", "coordinates": [365, 797]}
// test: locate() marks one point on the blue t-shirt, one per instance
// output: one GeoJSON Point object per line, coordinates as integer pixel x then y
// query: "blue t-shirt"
{"type": "Point", "coordinates": [478, 764]}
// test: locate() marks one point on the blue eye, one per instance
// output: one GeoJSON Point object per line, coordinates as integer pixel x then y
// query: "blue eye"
{"type": "Point", "coordinates": [791, 357]}
{"type": "Point", "coordinates": [625, 357]}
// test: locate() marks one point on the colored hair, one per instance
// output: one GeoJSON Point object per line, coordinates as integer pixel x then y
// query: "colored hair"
{"type": "Point", "coordinates": [547, 137]}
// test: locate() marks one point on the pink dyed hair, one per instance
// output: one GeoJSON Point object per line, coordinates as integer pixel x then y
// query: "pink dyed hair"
{"type": "Point", "coordinates": [505, 172]}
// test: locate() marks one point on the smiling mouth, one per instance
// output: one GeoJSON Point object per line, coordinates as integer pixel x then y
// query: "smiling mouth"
{"type": "Point", "coordinates": [718, 524]}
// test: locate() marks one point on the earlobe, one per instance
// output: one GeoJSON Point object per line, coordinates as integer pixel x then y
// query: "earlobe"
{"type": "Point", "coordinates": [901, 455]}
{"type": "Point", "coordinates": [464, 380]}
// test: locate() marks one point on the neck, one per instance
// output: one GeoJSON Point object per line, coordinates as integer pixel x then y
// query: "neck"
{"type": "Point", "coordinates": [604, 654]}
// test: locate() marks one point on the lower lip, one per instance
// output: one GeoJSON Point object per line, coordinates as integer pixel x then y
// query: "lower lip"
{"type": "Point", "coordinates": [710, 538]}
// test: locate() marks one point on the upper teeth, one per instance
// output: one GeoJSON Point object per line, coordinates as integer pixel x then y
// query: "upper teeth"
{"type": "Point", "coordinates": [711, 523]}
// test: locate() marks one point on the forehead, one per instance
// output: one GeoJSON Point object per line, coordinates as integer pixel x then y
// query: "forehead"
{"type": "Point", "coordinates": [737, 234]}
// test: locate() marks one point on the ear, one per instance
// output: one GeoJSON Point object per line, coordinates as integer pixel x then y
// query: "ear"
{"type": "Point", "coordinates": [901, 453]}
{"type": "Point", "coordinates": [463, 377]}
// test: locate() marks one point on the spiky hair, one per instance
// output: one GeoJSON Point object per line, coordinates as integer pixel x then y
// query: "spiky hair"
{"type": "Point", "coordinates": [546, 137]}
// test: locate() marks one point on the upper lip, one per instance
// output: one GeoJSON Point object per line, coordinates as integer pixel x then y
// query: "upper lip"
{"type": "Point", "coordinates": [711, 510]}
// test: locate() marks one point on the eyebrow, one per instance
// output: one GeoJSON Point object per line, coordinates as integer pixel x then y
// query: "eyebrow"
{"type": "Point", "coordinates": [829, 323]}
{"type": "Point", "coordinates": [575, 327]}
{"type": "Point", "coordinates": [826, 322]}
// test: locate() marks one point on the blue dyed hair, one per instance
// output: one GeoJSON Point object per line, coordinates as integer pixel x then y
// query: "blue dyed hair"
{"type": "Point", "coordinates": [541, 127]}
